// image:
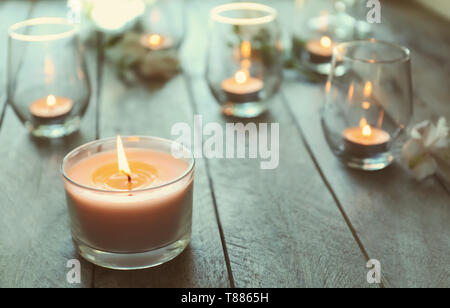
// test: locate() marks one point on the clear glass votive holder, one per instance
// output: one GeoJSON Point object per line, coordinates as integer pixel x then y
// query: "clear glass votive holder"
{"type": "Point", "coordinates": [48, 82]}
{"type": "Point", "coordinates": [370, 106]}
{"type": "Point", "coordinates": [130, 229]}
{"type": "Point", "coordinates": [244, 66]}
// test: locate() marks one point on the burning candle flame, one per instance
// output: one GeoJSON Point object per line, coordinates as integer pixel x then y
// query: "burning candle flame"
{"type": "Point", "coordinates": [325, 42]}
{"type": "Point", "coordinates": [122, 159]}
{"type": "Point", "coordinates": [51, 100]}
{"type": "Point", "coordinates": [241, 76]}
{"type": "Point", "coordinates": [366, 129]}
{"type": "Point", "coordinates": [155, 40]}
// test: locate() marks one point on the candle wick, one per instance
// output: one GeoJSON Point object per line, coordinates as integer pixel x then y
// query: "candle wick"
{"type": "Point", "coordinates": [130, 184]}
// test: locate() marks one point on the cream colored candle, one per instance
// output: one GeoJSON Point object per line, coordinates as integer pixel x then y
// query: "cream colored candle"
{"type": "Point", "coordinates": [242, 84]}
{"type": "Point", "coordinates": [114, 208]}
{"type": "Point", "coordinates": [366, 135]}
{"type": "Point", "coordinates": [320, 50]}
{"type": "Point", "coordinates": [51, 107]}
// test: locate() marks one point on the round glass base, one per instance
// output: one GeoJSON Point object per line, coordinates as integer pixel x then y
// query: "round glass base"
{"type": "Point", "coordinates": [244, 110]}
{"type": "Point", "coordinates": [53, 131]}
{"type": "Point", "coordinates": [325, 69]}
{"type": "Point", "coordinates": [375, 163]}
{"type": "Point", "coordinates": [132, 261]}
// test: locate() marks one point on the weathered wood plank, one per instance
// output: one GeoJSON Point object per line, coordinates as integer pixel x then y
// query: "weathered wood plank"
{"type": "Point", "coordinates": [137, 110]}
{"type": "Point", "coordinates": [35, 242]}
{"type": "Point", "coordinates": [402, 223]}
{"type": "Point", "coordinates": [281, 226]}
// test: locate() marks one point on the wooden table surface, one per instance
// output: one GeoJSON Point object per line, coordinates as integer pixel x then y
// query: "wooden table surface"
{"type": "Point", "coordinates": [309, 223]}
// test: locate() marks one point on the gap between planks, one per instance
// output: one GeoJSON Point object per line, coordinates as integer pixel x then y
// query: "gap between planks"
{"type": "Point", "coordinates": [189, 88]}
{"type": "Point", "coordinates": [324, 179]}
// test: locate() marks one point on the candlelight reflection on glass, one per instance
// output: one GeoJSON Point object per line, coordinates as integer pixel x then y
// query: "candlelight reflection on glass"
{"type": "Point", "coordinates": [244, 58]}
{"type": "Point", "coordinates": [48, 83]}
{"type": "Point", "coordinates": [368, 107]}
{"type": "Point", "coordinates": [129, 200]}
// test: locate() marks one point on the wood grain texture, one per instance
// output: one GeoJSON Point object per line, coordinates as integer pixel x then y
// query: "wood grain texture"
{"type": "Point", "coordinates": [138, 110]}
{"type": "Point", "coordinates": [402, 223]}
{"type": "Point", "coordinates": [35, 241]}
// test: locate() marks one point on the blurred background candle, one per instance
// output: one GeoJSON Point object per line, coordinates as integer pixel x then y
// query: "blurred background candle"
{"type": "Point", "coordinates": [51, 107]}
{"type": "Point", "coordinates": [242, 87]}
{"type": "Point", "coordinates": [156, 41]}
{"type": "Point", "coordinates": [130, 205]}
{"type": "Point", "coordinates": [320, 51]}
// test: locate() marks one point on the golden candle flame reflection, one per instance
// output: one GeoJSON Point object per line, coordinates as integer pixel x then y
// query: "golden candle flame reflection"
{"type": "Point", "coordinates": [366, 129]}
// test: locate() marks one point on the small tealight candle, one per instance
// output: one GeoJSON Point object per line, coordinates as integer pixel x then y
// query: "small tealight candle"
{"type": "Point", "coordinates": [51, 107]}
{"type": "Point", "coordinates": [320, 51]}
{"type": "Point", "coordinates": [156, 42]}
{"type": "Point", "coordinates": [130, 208]}
{"type": "Point", "coordinates": [242, 87]}
{"type": "Point", "coordinates": [366, 140]}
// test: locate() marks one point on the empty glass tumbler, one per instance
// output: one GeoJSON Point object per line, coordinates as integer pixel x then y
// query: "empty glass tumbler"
{"type": "Point", "coordinates": [48, 82]}
{"type": "Point", "coordinates": [244, 68]}
{"type": "Point", "coordinates": [370, 105]}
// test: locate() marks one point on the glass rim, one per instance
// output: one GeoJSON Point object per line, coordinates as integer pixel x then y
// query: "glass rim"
{"type": "Point", "coordinates": [337, 51]}
{"type": "Point", "coordinates": [42, 37]}
{"type": "Point", "coordinates": [216, 13]}
{"type": "Point", "coordinates": [116, 191]}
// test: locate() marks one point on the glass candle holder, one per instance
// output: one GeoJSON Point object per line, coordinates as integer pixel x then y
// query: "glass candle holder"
{"type": "Point", "coordinates": [135, 221]}
{"type": "Point", "coordinates": [317, 27]}
{"type": "Point", "coordinates": [368, 107]}
{"type": "Point", "coordinates": [244, 69]}
{"type": "Point", "coordinates": [162, 31]}
{"type": "Point", "coordinates": [48, 82]}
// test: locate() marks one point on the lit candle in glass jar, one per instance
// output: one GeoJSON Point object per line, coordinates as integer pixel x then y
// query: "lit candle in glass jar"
{"type": "Point", "coordinates": [366, 139]}
{"type": "Point", "coordinates": [320, 51]}
{"type": "Point", "coordinates": [128, 208]}
{"type": "Point", "coordinates": [242, 87]}
{"type": "Point", "coordinates": [51, 107]}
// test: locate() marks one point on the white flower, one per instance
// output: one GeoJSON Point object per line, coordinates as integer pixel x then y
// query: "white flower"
{"type": "Point", "coordinates": [427, 148]}
{"type": "Point", "coordinates": [114, 15]}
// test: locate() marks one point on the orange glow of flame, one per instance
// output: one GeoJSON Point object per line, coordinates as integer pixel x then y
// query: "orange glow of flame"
{"type": "Point", "coordinates": [241, 77]}
{"type": "Point", "coordinates": [368, 89]}
{"type": "Point", "coordinates": [351, 91]}
{"type": "Point", "coordinates": [366, 105]}
{"type": "Point", "coordinates": [51, 100]}
{"type": "Point", "coordinates": [246, 49]}
{"type": "Point", "coordinates": [122, 159]}
{"type": "Point", "coordinates": [155, 16]}
{"type": "Point", "coordinates": [155, 39]}
{"type": "Point", "coordinates": [366, 129]}
{"type": "Point", "coordinates": [326, 42]}
{"type": "Point", "coordinates": [49, 67]}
